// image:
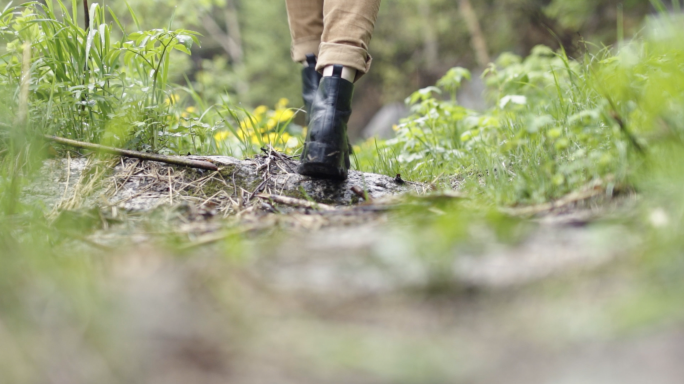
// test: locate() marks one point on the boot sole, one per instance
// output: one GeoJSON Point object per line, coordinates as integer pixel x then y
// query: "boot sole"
{"type": "Point", "coordinates": [323, 161]}
{"type": "Point", "coordinates": [322, 171]}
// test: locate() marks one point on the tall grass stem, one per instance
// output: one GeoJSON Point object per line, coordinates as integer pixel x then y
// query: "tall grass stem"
{"type": "Point", "coordinates": [22, 115]}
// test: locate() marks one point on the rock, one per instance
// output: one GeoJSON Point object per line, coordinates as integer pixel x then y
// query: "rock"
{"type": "Point", "coordinates": [140, 186]}
{"type": "Point", "coordinates": [471, 95]}
{"type": "Point", "coordinates": [282, 178]}
{"type": "Point", "coordinates": [383, 121]}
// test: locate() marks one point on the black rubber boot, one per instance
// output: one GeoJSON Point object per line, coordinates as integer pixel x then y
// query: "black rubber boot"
{"type": "Point", "coordinates": [310, 80]}
{"type": "Point", "coordinates": [326, 151]}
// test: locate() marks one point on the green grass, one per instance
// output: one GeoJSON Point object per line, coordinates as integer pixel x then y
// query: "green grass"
{"type": "Point", "coordinates": [99, 84]}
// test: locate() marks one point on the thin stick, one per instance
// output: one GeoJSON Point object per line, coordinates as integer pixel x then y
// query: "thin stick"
{"type": "Point", "coordinates": [170, 187]}
{"type": "Point", "coordinates": [296, 202]}
{"type": "Point", "coordinates": [135, 154]}
{"type": "Point", "coordinates": [116, 184]}
{"type": "Point", "coordinates": [215, 238]}
{"type": "Point", "coordinates": [66, 186]}
{"type": "Point", "coordinates": [68, 170]}
{"type": "Point", "coordinates": [22, 114]}
{"type": "Point", "coordinates": [361, 193]}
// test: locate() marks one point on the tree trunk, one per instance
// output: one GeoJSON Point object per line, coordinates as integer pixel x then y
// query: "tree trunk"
{"type": "Point", "coordinates": [235, 34]}
{"type": "Point", "coordinates": [477, 37]}
{"type": "Point", "coordinates": [230, 41]}
{"type": "Point", "coordinates": [430, 42]}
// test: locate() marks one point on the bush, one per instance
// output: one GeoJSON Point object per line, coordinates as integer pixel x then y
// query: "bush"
{"type": "Point", "coordinates": [556, 126]}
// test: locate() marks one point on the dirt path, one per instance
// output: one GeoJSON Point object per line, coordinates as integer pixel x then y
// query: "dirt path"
{"type": "Point", "coordinates": [339, 305]}
{"type": "Point", "coordinates": [261, 292]}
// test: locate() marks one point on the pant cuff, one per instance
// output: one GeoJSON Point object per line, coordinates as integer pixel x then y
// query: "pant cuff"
{"type": "Point", "coordinates": [347, 55]}
{"type": "Point", "coordinates": [305, 46]}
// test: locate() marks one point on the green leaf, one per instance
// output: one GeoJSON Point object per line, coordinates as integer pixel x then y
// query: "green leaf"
{"type": "Point", "coordinates": [182, 48]}
{"type": "Point", "coordinates": [133, 16]}
{"type": "Point", "coordinates": [116, 20]}
{"type": "Point", "coordinates": [185, 40]}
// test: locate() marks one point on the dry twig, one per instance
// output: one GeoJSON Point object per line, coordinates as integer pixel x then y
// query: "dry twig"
{"type": "Point", "coordinates": [135, 154]}
{"type": "Point", "coordinates": [298, 203]}
{"type": "Point", "coordinates": [571, 199]}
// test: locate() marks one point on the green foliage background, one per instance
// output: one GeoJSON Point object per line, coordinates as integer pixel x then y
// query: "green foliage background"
{"type": "Point", "coordinates": [402, 32]}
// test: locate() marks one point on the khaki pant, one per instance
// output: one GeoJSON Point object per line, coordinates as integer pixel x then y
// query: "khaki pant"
{"type": "Point", "coordinates": [337, 31]}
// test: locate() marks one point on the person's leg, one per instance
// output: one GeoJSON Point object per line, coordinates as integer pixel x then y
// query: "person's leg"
{"type": "Point", "coordinates": [347, 30]}
{"type": "Point", "coordinates": [343, 58]}
{"type": "Point", "coordinates": [306, 27]}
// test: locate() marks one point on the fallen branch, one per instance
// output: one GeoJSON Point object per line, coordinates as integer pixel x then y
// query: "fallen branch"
{"type": "Point", "coordinates": [361, 193]}
{"type": "Point", "coordinates": [298, 203]}
{"type": "Point", "coordinates": [573, 198]}
{"type": "Point", "coordinates": [135, 154]}
{"type": "Point", "coordinates": [219, 236]}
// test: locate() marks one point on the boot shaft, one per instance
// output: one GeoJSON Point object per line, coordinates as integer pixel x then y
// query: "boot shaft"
{"type": "Point", "coordinates": [326, 151]}
{"type": "Point", "coordinates": [310, 81]}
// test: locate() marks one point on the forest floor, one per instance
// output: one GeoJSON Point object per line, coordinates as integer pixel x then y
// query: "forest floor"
{"type": "Point", "coordinates": [215, 284]}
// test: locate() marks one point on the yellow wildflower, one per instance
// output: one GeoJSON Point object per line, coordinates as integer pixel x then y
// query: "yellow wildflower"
{"type": "Point", "coordinates": [260, 110]}
{"type": "Point", "coordinates": [282, 138]}
{"type": "Point", "coordinates": [255, 139]}
{"type": "Point", "coordinates": [221, 136]}
{"type": "Point", "coordinates": [283, 115]}
{"type": "Point", "coordinates": [173, 99]}
{"type": "Point", "coordinates": [251, 136]}
{"type": "Point", "coordinates": [271, 123]}
{"type": "Point", "coordinates": [282, 103]}
{"type": "Point", "coordinates": [273, 138]}
{"type": "Point", "coordinates": [246, 124]}
{"type": "Point", "coordinates": [188, 112]}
